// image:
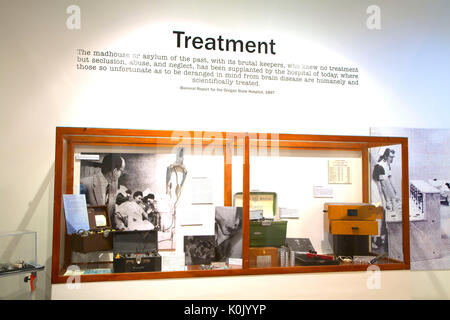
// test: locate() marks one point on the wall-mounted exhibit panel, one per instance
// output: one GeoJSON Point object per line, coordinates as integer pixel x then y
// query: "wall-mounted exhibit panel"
{"type": "Point", "coordinates": [142, 204]}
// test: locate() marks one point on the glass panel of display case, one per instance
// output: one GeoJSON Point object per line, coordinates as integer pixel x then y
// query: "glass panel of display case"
{"type": "Point", "coordinates": [310, 208]}
{"type": "Point", "coordinates": [18, 252]}
{"type": "Point", "coordinates": [154, 207]}
{"type": "Point", "coordinates": [143, 204]}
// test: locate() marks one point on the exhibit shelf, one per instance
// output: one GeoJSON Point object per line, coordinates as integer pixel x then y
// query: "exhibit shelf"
{"type": "Point", "coordinates": [28, 269]}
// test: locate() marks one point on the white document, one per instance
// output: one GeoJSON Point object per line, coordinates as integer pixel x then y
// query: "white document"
{"type": "Point", "coordinates": [75, 210]}
{"type": "Point", "coordinates": [93, 157]}
{"type": "Point", "coordinates": [173, 262]}
{"type": "Point", "coordinates": [339, 172]}
{"type": "Point", "coordinates": [322, 192]}
{"type": "Point", "coordinates": [197, 215]}
{"type": "Point", "coordinates": [100, 220]}
{"type": "Point", "coordinates": [289, 213]}
{"type": "Point", "coordinates": [235, 261]}
{"type": "Point", "coordinates": [202, 192]}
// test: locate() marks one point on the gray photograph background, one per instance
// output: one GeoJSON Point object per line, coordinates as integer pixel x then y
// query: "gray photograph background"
{"type": "Point", "coordinates": [145, 172]}
{"type": "Point", "coordinates": [429, 159]}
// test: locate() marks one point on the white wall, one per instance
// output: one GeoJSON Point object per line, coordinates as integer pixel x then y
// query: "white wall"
{"type": "Point", "coordinates": [403, 68]}
{"type": "Point", "coordinates": [398, 285]}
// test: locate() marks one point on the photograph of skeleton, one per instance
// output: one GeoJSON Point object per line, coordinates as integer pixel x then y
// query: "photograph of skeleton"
{"type": "Point", "coordinates": [228, 233]}
{"type": "Point", "coordinates": [429, 191]}
{"type": "Point", "coordinates": [199, 249]}
{"type": "Point", "coordinates": [141, 190]}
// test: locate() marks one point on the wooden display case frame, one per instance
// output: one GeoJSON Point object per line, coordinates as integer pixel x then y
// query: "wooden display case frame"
{"type": "Point", "coordinates": [232, 143]}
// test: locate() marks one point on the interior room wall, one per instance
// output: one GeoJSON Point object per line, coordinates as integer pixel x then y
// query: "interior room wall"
{"type": "Point", "coordinates": [304, 170]}
{"type": "Point", "coordinates": [403, 66]}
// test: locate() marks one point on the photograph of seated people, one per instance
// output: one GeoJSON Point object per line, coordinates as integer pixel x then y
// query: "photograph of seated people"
{"type": "Point", "coordinates": [105, 182]}
{"type": "Point", "coordinates": [131, 215]}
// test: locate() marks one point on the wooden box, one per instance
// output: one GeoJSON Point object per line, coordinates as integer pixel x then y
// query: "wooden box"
{"type": "Point", "coordinates": [352, 211]}
{"type": "Point", "coordinates": [94, 239]}
{"type": "Point", "coordinates": [352, 218]}
{"type": "Point", "coordinates": [351, 225]}
{"type": "Point", "coordinates": [263, 257]}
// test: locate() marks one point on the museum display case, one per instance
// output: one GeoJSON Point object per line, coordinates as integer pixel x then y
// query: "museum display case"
{"type": "Point", "coordinates": [18, 253]}
{"type": "Point", "coordinates": [145, 204]}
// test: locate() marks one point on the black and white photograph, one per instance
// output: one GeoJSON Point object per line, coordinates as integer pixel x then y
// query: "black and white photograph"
{"type": "Point", "coordinates": [386, 177]}
{"type": "Point", "coordinates": [199, 249]}
{"type": "Point", "coordinates": [228, 233]}
{"type": "Point", "coordinates": [138, 190]}
{"type": "Point", "coordinates": [429, 190]}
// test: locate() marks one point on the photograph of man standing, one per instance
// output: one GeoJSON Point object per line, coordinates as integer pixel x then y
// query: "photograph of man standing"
{"type": "Point", "coordinates": [101, 188]}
